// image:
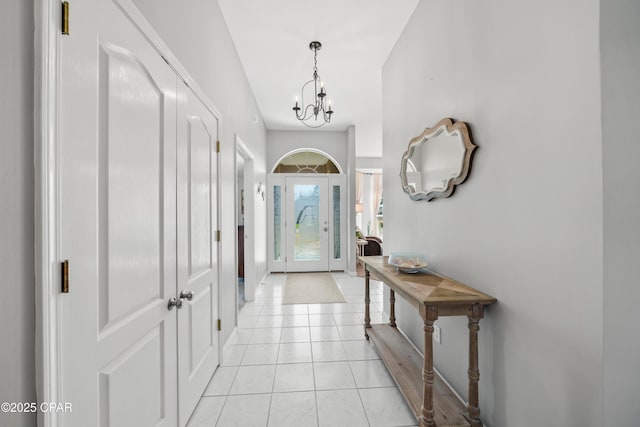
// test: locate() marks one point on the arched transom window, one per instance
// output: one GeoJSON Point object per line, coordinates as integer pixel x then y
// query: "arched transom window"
{"type": "Point", "coordinates": [306, 162]}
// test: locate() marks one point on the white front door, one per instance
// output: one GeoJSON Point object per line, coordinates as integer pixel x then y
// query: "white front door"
{"type": "Point", "coordinates": [137, 215]}
{"type": "Point", "coordinates": [197, 250]}
{"type": "Point", "coordinates": [307, 223]}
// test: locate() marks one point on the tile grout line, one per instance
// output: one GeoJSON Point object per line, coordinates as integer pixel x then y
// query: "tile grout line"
{"type": "Point", "coordinates": [281, 312]}
{"type": "Point", "coordinates": [221, 409]}
{"type": "Point", "coordinates": [358, 391]}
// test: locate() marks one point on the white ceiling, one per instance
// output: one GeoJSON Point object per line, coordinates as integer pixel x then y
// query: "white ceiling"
{"type": "Point", "coordinates": [272, 39]}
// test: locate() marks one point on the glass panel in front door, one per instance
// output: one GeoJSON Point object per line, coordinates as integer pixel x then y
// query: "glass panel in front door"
{"type": "Point", "coordinates": [336, 222]}
{"type": "Point", "coordinates": [277, 223]}
{"type": "Point", "coordinates": [307, 214]}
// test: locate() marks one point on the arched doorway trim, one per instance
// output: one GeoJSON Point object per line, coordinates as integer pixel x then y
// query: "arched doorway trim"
{"type": "Point", "coordinates": [307, 150]}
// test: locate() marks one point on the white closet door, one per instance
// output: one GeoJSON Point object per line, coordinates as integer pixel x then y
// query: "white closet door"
{"type": "Point", "coordinates": [197, 249]}
{"type": "Point", "coordinates": [117, 163]}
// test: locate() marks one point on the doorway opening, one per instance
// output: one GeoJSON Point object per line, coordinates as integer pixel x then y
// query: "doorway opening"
{"type": "Point", "coordinates": [240, 231]}
{"type": "Point", "coordinates": [245, 224]}
{"type": "Point", "coordinates": [307, 213]}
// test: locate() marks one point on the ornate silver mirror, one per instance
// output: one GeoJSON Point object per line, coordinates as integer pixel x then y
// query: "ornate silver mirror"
{"type": "Point", "coordinates": [437, 160]}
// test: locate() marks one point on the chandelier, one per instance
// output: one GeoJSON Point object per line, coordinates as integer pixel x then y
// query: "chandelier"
{"type": "Point", "coordinates": [320, 109]}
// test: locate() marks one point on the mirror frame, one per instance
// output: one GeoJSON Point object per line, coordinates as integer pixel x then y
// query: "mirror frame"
{"type": "Point", "coordinates": [449, 126]}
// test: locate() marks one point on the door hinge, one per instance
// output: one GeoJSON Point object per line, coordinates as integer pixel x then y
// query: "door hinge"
{"type": "Point", "coordinates": [218, 236]}
{"type": "Point", "coordinates": [65, 18]}
{"type": "Point", "coordinates": [219, 324]}
{"type": "Point", "coordinates": [64, 269]}
{"type": "Point", "coordinates": [217, 146]}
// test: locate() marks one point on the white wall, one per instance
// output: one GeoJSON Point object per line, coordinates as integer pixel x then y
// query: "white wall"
{"type": "Point", "coordinates": [196, 33]}
{"type": "Point", "coordinates": [620, 50]}
{"type": "Point", "coordinates": [369, 163]}
{"type": "Point", "coordinates": [527, 225]}
{"type": "Point", "coordinates": [17, 281]}
{"type": "Point", "coordinates": [351, 185]}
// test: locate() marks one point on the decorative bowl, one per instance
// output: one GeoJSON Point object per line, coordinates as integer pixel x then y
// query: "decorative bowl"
{"type": "Point", "coordinates": [408, 262]}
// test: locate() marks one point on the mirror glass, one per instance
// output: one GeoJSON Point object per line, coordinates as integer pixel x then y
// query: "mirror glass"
{"type": "Point", "coordinates": [437, 160]}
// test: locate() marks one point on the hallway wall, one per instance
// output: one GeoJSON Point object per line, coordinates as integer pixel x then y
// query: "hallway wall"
{"type": "Point", "coordinates": [197, 34]}
{"type": "Point", "coordinates": [620, 47]}
{"type": "Point", "coordinates": [17, 282]}
{"type": "Point", "coordinates": [527, 225]}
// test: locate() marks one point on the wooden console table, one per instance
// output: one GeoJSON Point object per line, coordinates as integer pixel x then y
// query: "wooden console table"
{"type": "Point", "coordinates": [433, 295]}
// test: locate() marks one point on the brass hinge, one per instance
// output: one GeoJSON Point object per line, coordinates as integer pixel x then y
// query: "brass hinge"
{"type": "Point", "coordinates": [65, 18]}
{"type": "Point", "coordinates": [218, 236]}
{"type": "Point", "coordinates": [64, 269]}
{"type": "Point", "coordinates": [219, 324]}
{"type": "Point", "coordinates": [217, 146]}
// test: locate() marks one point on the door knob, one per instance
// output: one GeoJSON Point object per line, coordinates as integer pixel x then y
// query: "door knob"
{"type": "Point", "coordinates": [174, 303]}
{"type": "Point", "coordinates": [188, 295]}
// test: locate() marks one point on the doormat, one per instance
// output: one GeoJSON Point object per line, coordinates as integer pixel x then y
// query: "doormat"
{"type": "Point", "coordinates": [311, 288]}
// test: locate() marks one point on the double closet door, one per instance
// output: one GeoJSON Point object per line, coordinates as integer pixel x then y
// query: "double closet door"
{"type": "Point", "coordinates": [137, 178]}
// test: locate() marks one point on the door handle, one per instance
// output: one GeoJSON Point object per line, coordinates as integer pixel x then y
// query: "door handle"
{"type": "Point", "coordinates": [188, 295]}
{"type": "Point", "coordinates": [174, 303]}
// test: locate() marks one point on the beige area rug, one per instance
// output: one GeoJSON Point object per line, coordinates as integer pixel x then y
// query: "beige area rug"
{"type": "Point", "coordinates": [311, 288]}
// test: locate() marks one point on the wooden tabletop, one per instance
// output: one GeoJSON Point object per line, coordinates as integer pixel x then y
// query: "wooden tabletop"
{"type": "Point", "coordinates": [425, 287]}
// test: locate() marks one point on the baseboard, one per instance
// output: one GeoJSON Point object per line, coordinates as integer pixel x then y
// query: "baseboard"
{"type": "Point", "coordinates": [264, 277]}
{"type": "Point", "coordinates": [229, 342]}
{"type": "Point", "coordinates": [455, 393]}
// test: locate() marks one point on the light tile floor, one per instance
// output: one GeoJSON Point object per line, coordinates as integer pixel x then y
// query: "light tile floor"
{"type": "Point", "coordinates": [303, 365]}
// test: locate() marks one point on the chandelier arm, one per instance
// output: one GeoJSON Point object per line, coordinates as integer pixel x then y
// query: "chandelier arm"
{"type": "Point", "coordinates": [306, 115]}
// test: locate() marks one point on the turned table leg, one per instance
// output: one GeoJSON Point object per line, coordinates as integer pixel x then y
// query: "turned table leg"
{"type": "Point", "coordinates": [392, 308]}
{"type": "Point", "coordinates": [430, 314]}
{"type": "Point", "coordinates": [473, 407]}
{"type": "Point", "coordinates": [367, 300]}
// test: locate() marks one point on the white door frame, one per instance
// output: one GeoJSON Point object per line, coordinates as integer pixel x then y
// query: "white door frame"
{"type": "Point", "coordinates": [279, 179]}
{"type": "Point", "coordinates": [46, 168]}
{"type": "Point", "coordinates": [243, 152]}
